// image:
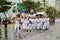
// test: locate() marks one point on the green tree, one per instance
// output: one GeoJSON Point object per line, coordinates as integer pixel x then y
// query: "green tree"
{"type": "Point", "coordinates": [39, 8]}
{"type": "Point", "coordinates": [2, 0]}
{"type": "Point", "coordinates": [51, 12]}
{"type": "Point", "coordinates": [3, 7]}
{"type": "Point", "coordinates": [32, 5]}
{"type": "Point", "coordinates": [58, 14]}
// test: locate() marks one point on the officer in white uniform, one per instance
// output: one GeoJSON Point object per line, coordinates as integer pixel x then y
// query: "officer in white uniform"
{"type": "Point", "coordinates": [17, 25]}
{"type": "Point", "coordinates": [22, 19]}
{"type": "Point", "coordinates": [30, 25]}
{"type": "Point", "coordinates": [46, 23]}
{"type": "Point", "coordinates": [25, 24]}
{"type": "Point", "coordinates": [39, 23]}
{"type": "Point", "coordinates": [33, 23]}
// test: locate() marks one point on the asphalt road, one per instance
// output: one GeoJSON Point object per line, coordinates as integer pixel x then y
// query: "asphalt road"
{"type": "Point", "coordinates": [52, 34]}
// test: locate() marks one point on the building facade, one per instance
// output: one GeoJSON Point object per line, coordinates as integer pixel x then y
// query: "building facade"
{"type": "Point", "coordinates": [57, 4]}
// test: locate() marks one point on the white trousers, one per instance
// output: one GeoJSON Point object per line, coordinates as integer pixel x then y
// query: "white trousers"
{"type": "Point", "coordinates": [46, 25]}
{"type": "Point", "coordinates": [34, 26]}
{"type": "Point", "coordinates": [39, 26]}
{"type": "Point", "coordinates": [16, 28]}
{"type": "Point", "coordinates": [30, 27]}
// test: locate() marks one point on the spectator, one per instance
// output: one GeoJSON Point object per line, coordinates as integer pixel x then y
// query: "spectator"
{"type": "Point", "coordinates": [0, 21]}
{"type": "Point", "coordinates": [5, 23]}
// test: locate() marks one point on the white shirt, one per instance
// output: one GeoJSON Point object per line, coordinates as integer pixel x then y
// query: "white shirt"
{"type": "Point", "coordinates": [17, 20]}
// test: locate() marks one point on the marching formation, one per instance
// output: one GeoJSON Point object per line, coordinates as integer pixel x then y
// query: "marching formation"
{"type": "Point", "coordinates": [31, 23]}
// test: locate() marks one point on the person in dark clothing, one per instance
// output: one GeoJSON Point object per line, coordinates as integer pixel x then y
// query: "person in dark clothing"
{"type": "Point", "coordinates": [5, 23]}
{"type": "Point", "coordinates": [0, 21]}
{"type": "Point", "coordinates": [0, 28]}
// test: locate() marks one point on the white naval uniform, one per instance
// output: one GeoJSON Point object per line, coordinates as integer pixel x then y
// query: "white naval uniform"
{"type": "Point", "coordinates": [33, 23]}
{"type": "Point", "coordinates": [25, 24]}
{"type": "Point", "coordinates": [46, 23]}
{"type": "Point", "coordinates": [39, 23]}
{"type": "Point", "coordinates": [17, 24]}
{"type": "Point", "coordinates": [30, 24]}
{"type": "Point", "coordinates": [22, 19]}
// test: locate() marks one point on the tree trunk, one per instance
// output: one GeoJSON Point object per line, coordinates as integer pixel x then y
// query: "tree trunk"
{"type": "Point", "coordinates": [5, 15]}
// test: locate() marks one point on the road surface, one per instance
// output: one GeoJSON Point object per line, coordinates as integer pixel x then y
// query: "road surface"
{"type": "Point", "coordinates": [52, 34]}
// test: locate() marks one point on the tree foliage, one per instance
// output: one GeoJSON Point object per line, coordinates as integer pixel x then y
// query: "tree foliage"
{"type": "Point", "coordinates": [2, 0]}
{"type": "Point", "coordinates": [51, 11]}
{"type": "Point", "coordinates": [31, 5]}
{"type": "Point", "coordinates": [58, 14]}
{"type": "Point", "coordinates": [4, 8]}
{"type": "Point", "coordinates": [39, 8]}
